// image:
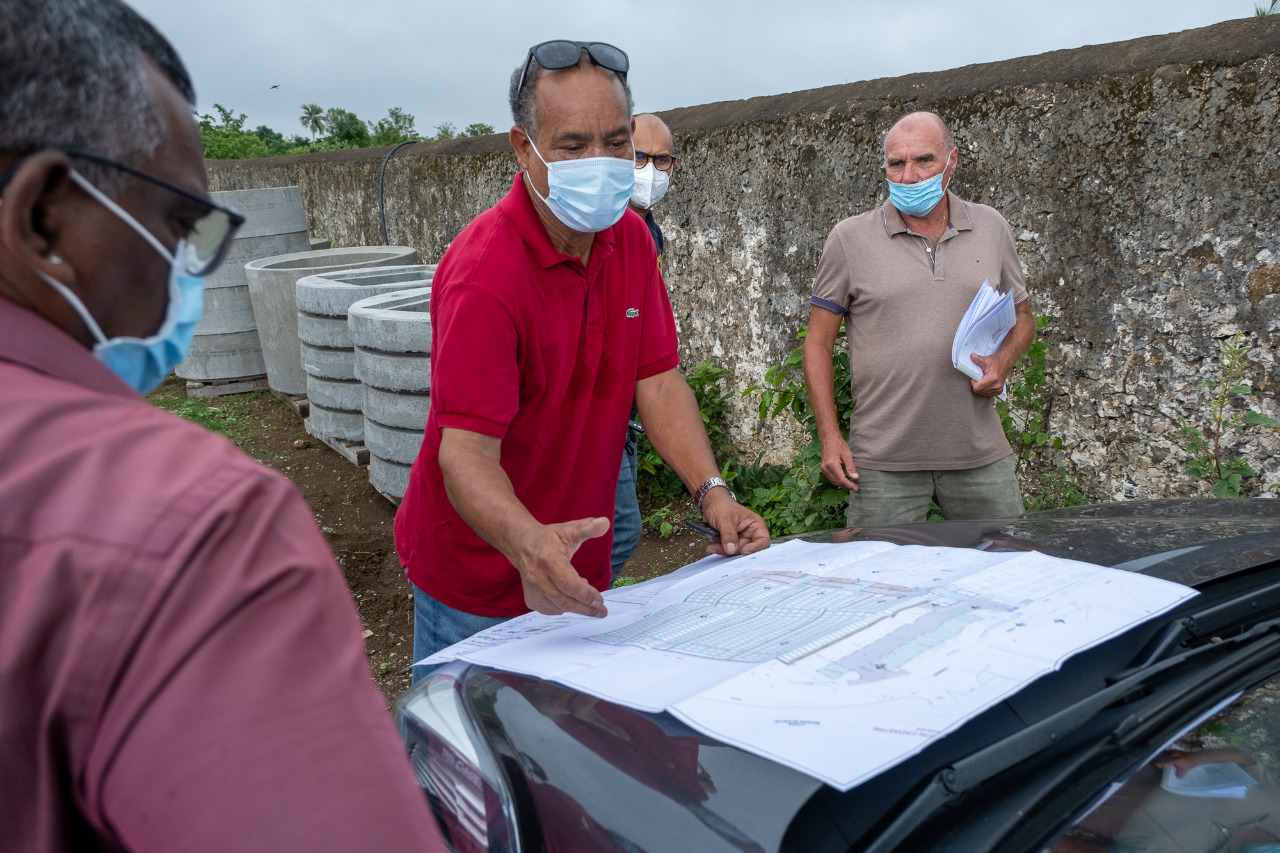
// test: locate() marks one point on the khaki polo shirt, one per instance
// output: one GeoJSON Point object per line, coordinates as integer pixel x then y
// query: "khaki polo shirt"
{"type": "Point", "coordinates": [901, 304]}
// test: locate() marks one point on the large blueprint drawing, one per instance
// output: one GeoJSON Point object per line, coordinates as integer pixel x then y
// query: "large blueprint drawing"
{"type": "Point", "coordinates": [838, 660]}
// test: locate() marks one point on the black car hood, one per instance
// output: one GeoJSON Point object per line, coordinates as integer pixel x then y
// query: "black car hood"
{"type": "Point", "coordinates": [604, 777]}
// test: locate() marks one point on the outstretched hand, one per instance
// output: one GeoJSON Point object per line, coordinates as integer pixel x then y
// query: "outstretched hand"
{"type": "Point", "coordinates": [551, 584]}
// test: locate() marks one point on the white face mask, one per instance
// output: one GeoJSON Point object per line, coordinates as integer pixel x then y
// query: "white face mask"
{"type": "Point", "coordinates": [651, 186]}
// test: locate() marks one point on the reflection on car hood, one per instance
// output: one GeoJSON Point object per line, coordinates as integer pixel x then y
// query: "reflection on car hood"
{"type": "Point", "coordinates": [1184, 541]}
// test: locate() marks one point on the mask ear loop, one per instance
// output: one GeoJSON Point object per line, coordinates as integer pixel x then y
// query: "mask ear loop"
{"type": "Point", "coordinates": [101, 197]}
{"type": "Point", "coordinates": [75, 303]}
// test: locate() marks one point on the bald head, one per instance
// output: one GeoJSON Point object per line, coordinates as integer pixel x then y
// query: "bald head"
{"type": "Point", "coordinates": [654, 147]}
{"type": "Point", "coordinates": [652, 135]}
{"type": "Point", "coordinates": [921, 123]}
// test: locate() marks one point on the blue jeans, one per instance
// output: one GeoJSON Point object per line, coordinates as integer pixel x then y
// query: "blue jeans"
{"type": "Point", "coordinates": [626, 508]}
{"type": "Point", "coordinates": [437, 626]}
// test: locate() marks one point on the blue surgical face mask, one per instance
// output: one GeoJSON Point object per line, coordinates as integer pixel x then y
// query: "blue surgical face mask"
{"type": "Point", "coordinates": [143, 363]}
{"type": "Point", "coordinates": [920, 198]}
{"type": "Point", "coordinates": [588, 194]}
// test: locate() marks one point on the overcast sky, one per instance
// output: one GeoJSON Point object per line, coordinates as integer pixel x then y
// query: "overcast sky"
{"type": "Point", "coordinates": [450, 62]}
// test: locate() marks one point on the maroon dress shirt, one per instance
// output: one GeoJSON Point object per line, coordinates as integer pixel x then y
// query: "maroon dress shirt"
{"type": "Point", "coordinates": [181, 667]}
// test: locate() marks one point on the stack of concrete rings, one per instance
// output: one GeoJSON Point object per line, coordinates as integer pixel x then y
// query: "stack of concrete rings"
{"type": "Point", "coordinates": [226, 342]}
{"type": "Point", "coordinates": [273, 287]}
{"type": "Point", "coordinates": [392, 336]}
{"type": "Point", "coordinates": [327, 349]}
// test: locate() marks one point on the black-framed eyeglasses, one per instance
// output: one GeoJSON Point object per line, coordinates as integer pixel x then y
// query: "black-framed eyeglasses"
{"type": "Point", "coordinates": [558, 54]}
{"type": "Point", "coordinates": [210, 234]}
{"type": "Point", "coordinates": [663, 162]}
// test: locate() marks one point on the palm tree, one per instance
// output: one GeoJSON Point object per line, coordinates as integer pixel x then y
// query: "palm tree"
{"type": "Point", "coordinates": [313, 119]}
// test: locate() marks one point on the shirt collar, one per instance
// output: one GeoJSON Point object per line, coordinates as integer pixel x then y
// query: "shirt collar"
{"type": "Point", "coordinates": [960, 219]}
{"type": "Point", "coordinates": [518, 207]}
{"type": "Point", "coordinates": [30, 340]}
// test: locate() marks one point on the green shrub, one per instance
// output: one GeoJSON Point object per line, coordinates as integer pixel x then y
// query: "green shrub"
{"type": "Point", "coordinates": [1206, 446]}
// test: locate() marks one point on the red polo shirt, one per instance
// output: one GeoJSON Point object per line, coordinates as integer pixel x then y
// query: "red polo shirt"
{"type": "Point", "coordinates": [532, 348]}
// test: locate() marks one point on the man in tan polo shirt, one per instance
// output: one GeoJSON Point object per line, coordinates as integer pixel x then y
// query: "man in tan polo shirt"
{"type": "Point", "coordinates": [900, 277]}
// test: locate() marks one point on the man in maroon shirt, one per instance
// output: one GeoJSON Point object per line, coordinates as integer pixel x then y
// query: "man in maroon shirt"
{"type": "Point", "coordinates": [181, 667]}
{"type": "Point", "coordinates": [549, 315]}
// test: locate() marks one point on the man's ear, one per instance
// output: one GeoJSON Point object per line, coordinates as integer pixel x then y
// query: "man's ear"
{"type": "Point", "coordinates": [520, 145]}
{"type": "Point", "coordinates": [35, 212]}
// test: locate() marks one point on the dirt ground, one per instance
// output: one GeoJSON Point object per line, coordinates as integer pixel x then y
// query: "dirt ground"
{"type": "Point", "coordinates": [357, 520]}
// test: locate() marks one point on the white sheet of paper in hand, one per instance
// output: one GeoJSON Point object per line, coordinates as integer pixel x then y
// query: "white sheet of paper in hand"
{"type": "Point", "coordinates": [990, 317]}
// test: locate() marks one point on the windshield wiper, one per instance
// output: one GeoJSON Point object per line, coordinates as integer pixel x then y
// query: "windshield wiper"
{"type": "Point", "coordinates": [1211, 664]}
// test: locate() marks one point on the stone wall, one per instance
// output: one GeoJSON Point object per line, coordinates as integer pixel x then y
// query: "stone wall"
{"type": "Point", "coordinates": [1142, 180]}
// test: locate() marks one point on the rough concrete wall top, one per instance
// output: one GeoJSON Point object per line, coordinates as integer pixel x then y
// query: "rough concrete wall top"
{"type": "Point", "coordinates": [1229, 43]}
{"type": "Point", "coordinates": [1142, 180]}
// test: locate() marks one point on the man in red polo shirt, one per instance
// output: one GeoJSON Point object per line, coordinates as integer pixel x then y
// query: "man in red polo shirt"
{"type": "Point", "coordinates": [549, 314]}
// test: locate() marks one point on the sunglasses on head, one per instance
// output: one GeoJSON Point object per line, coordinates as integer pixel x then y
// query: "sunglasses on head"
{"type": "Point", "coordinates": [559, 54]}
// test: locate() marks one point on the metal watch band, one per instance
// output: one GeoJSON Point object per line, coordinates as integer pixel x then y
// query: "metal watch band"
{"type": "Point", "coordinates": [708, 486]}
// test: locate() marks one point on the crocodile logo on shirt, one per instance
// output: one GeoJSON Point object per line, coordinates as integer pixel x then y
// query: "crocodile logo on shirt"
{"type": "Point", "coordinates": [633, 313]}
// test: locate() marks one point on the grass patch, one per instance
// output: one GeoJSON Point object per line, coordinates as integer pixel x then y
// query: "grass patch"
{"type": "Point", "coordinates": [233, 416]}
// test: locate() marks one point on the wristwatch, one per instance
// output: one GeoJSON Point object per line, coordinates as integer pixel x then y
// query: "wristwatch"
{"type": "Point", "coordinates": [708, 486]}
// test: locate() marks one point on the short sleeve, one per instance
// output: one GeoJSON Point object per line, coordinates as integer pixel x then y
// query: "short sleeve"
{"type": "Point", "coordinates": [831, 286]}
{"type": "Point", "coordinates": [1012, 279]}
{"type": "Point", "coordinates": [475, 369]}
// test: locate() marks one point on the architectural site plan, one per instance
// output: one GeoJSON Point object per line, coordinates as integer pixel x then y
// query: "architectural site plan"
{"type": "Point", "coordinates": [839, 660]}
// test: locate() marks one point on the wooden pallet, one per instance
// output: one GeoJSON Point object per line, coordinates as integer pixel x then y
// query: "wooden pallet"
{"type": "Point", "coordinates": [222, 387]}
{"type": "Point", "coordinates": [297, 403]}
{"type": "Point", "coordinates": [353, 451]}
{"type": "Point", "coordinates": [395, 501]}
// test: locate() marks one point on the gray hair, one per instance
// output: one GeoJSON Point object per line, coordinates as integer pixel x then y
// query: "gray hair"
{"type": "Point", "coordinates": [524, 99]}
{"type": "Point", "coordinates": [72, 76]}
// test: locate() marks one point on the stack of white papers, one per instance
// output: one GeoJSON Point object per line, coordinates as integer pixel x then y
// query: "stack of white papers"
{"type": "Point", "coordinates": [837, 660]}
{"type": "Point", "coordinates": [1220, 779]}
{"type": "Point", "coordinates": [990, 317]}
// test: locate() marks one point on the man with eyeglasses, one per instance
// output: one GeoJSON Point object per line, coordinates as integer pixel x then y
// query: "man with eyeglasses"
{"type": "Point", "coordinates": [181, 665]}
{"type": "Point", "coordinates": [655, 161]}
{"type": "Point", "coordinates": [549, 316]}
{"type": "Point", "coordinates": [655, 164]}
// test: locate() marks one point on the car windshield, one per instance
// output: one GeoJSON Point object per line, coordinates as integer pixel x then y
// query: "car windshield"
{"type": "Point", "coordinates": [1214, 788]}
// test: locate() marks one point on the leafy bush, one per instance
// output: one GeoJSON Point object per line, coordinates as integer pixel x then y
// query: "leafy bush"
{"type": "Point", "coordinates": [798, 497]}
{"type": "Point", "coordinates": [1210, 460]}
{"type": "Point", "coordinates": [1025, 413]}
{"type": "Point", "coordinates": [658, 486]}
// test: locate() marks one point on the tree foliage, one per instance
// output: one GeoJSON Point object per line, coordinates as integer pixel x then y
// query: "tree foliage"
{"type": "Point", "coordinates": [225, 138]}
{"type": "Point", "coordinates": [346, 130]}
{"type": "Point", "coordinates": [313, 119]}
{"type": "Point", "coordinates": [333, 129]}
{"type": "Point", "coordinates": [397, 127]}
